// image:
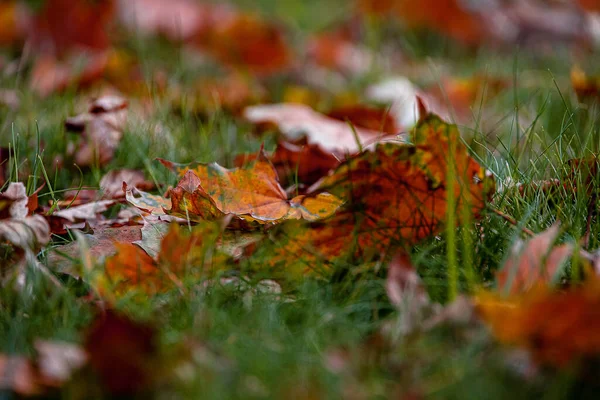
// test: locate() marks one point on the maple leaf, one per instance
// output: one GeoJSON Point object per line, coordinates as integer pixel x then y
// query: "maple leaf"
{"type": "Point", "coordinates": [296, 162]}
{"type": "Point", "coordinates": [209, 191]}
{"type": "Point", "coordinates": [536, 261]}
{"type": "Point", "coordinates": [24, 235]}
{"type": "Point", "coordinates": [181, 252]}
{"type": "Point", "coordinates": [296, 120]}
{"type": "Point", "coordinates": [376, 119]}
{"type": "Point", "coordinates": [556, 326]}
{"type": "Point", "coordinates": [102, 129]}
{"type": "Point", "coordinates": [154, 204]}
{"type": "Point", "coordinates": [394, 194]}
{"type": "Point", "coordinates": [88, 211]}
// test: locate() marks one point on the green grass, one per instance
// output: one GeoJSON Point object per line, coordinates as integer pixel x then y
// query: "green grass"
{"type": "Point", "coordinates": [260, 346]}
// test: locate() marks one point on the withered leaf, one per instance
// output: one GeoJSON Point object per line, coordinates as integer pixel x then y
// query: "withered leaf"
{"type": "Point", "coordinates": [556, 326]}
{"type": "Point", "coordinates": [102, 129]}
{"type": "Point", "coordinates": [394, 194]}
{"type": "Point", "coordinates": [182, 252]}
{"type": "Point", "coordinates": [534, 262]}
{"type": "Point", "coordinates": [254, 194]}
{"type": "Point", "coordinates": [297, 120]}
{"type": "Point", "coordinates": [154, 204]}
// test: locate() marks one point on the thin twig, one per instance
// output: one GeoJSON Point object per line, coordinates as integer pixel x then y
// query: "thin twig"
{"type": "Point", "coordinates": [512, 221]}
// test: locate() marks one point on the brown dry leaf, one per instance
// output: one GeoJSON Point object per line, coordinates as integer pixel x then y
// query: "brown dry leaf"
{"type": "Point", "coordinates": [375, 119]}
{"type": "Point", "coordinates": [302, 161]}
{"type": "Point", "coordinates": [98, 245]}
{"type": "Point", "coordinates": [13, 201]}
{"type": "Point", "coordinates": [297, 162]}
{"type": "Point", "coordinates": [85, 212]}
{"type": "Point", "coordinates": [181, 253]}
{"type": "Point", "coordinates": [393, 195]}
{"type": "Point", "coordinates": [296, 120]}
{"type": "Point", "coordinates": [534, 262]}
{"type": "Point", "coordinates": [22, 235]}
{"type": "Point", "coordinates": [556, 326]}
{"type": "Point", "coordinates": [210, 191]}
{"type": "Point", "coordinates": [122, 353]}
{"type": "Point", "coordinates": [112, 183]}
{"type": "Point", "coordinates": [102, 129]}
{"type": "Point", "coordinates": [248, 42]}
{"type": "Point", "coordinates": [154, 204]}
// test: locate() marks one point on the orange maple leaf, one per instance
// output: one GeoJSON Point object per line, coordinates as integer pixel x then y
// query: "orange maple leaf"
{"type": "Point", "coordinates": [209, 191]}
{"type": "Point", "coordinates": [182, 253]}
{"type": "Point", "coordinates": [393, 195]}
{"type": "Point", "coordinates": [556, 326]}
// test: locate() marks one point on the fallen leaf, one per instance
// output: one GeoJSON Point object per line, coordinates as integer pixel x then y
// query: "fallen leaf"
{"type": "Point", "coordinates": [557, 327]}
{"type": "Point", "coordinates": [123, 353]}
{"type": "Point", "coordinates": [533, 262]}
{"type": "Point", "coordinates": [375, 119]}
{"type": "Point", "coordinates": [84, 212]}
{"type": "Point", "coordinates": [394, 195]}
{"type": "Point", "coordinates": [13, 201]}
{"type": "Point", "coordinates": [155, 205]}
{"type": "Point", "coordinates": [152, 236]}
{"type": "Point", "coordinates": [210, 191]}
{"type": "Point", "coordinates": [102, 130]}
{"type": "Point", "coordinates": [182, 252]}
{"type": "Point", "coordinates": [100, 244]}
{"type": "Point", "coordinates": [112, 183]}
{"type": "Point", "coordinates": [302, 162]}
{"type": "Point", "coordinates": [296, 120]}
